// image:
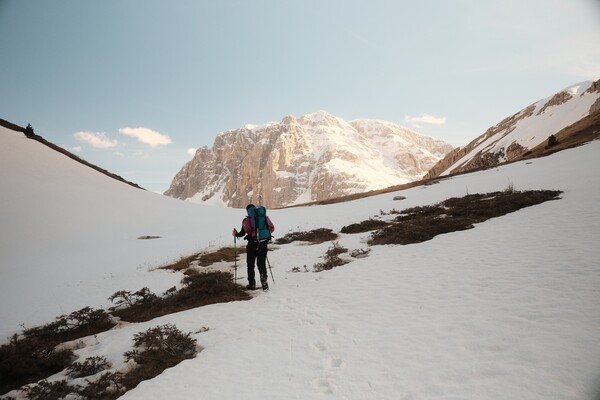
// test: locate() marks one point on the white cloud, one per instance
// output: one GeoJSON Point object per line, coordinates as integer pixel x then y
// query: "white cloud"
{"type": "Point", "coordinates": [191, 151]}
{"type": "Point", "coordinates": [426, 119]}
{"type": "Point", "coordinates": [96, 139]}
{"type": "Point", "coordinates": [147, 136]}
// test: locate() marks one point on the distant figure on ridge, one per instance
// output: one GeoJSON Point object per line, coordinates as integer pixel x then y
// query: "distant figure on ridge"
{"type": "Point", "coordinates": [256, 229]}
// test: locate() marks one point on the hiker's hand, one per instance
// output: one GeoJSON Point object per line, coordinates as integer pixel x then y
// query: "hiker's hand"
{"type": "Point", "coordinates": [234, 233]}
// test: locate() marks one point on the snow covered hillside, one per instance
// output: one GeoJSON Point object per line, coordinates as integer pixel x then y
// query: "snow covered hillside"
{"type": "Point", "coordinates": [507, 310]}
{"type": "Point", "coordinates": [529, 130]}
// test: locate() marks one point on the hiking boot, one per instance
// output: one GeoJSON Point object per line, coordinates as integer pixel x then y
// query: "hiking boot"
{"type": "Point", "coordinates": [263, 282]}
{"type": "Point", "coordinates": [251, 286]}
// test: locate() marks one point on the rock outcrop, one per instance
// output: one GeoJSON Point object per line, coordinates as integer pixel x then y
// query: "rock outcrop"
{"type": "Point", "coordinates": [302, 159]}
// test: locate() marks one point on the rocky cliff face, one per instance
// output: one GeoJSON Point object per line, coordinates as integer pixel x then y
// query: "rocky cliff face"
{"type": "Point", "coordinates": [302, 159]}
{"type": "Point", "coordinates": [518, 135]}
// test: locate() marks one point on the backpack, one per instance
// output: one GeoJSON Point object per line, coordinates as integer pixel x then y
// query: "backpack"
{"type": "Point", "coordinates": [260, 226]}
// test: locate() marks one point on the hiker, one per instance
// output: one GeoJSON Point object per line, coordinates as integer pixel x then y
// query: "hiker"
{"type": "Point", "coordinates": [256, 250]}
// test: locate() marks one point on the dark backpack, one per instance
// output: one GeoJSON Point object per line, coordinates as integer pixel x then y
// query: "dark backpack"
{"type": "Point", "coordinates": [260, 226]}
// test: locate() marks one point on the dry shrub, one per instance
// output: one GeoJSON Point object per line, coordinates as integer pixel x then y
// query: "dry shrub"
{"type": "Point", "coordinates": [315, 236]}
{"type": "Point", "coordinates": [419, 224]}
{"type": "Point", "coordinates": [332, 258]}
{"type": "Point", "coordinates": [33, 356]}
{"type": "Point", "coordinates": [157, 349]}
{"type": "Point", "coordinates": [109, 386]}
{"type": "Point", "coordinates": [45, 390]}
{"type": "Point", "coordinates": [199, 289]}
{"type": "Point", "coordinates": [364, 226]}
{"type": "Point", "coordinates": [28, 360]}
{"type": "Point", "coordinates": [91, 366]}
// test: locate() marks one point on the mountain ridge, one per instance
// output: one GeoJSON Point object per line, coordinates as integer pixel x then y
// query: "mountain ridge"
{"type": "Point", "coordinates": [548, 125]}
{"type": "Point", "coordinates": [302, 159]}
{"type": "Point", "coordinates": [40, 139]}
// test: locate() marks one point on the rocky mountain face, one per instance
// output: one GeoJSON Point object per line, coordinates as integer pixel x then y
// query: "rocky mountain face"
{"type": "Point", "coordinates": [303, 159]}
{"type": "Point", "coordinates": [568, 118]}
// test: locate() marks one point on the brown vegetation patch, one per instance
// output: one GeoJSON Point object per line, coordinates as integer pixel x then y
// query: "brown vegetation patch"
{"type": "Point", "coordinates": [332, 258]}
{"type": "Point", "coordinates": [364, 226]}
{"type": "Point", "coordinates": [315, 236]}
{"type": "Point", "coordinates": [198, 290]}
{"type": "Point", "coordinates": [183, 263]}
{"type": "Point", "coordinates": [419, 224]}
{"type": "Point", "coordinates": [155, 350]}
{"type": "Point", "coordinates": [34, 356]}
{"type": "Point", "coordinates": [224, 254]}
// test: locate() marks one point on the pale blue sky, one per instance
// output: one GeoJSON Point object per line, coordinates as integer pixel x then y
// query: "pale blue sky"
{"type": "Point", "coordinates": [81, 72]}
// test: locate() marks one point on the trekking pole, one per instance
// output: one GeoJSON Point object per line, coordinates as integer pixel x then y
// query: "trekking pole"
{"type": "Point", "coordinates": [235, 259]}
{"type": "Point", "coordinates": [269, 264]}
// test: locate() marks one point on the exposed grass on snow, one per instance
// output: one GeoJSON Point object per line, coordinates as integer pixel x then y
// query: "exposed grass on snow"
{"type": "Point", "coordinates": [224, 254]}
{"type": "Point", "coordinates": [364, 226]}
{"type": "Point", "coordinates": [315, 236]}
{"type": "Point", "coordinates": [419, 224]}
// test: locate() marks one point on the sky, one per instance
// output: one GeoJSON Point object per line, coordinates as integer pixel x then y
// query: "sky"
{"type": "Point", "coordinates": [135, 86]}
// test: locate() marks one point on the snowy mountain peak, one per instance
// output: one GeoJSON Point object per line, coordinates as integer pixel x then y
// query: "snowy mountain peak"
{"type": "Point", "coordinates": [302, 159]}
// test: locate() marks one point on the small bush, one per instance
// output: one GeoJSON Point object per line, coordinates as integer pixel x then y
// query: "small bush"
{"type": "Point", "coordinates": [315, 236]}
{"type": "Point", "coordinates": [45, 390]}
{"type": "Point", "coordinates": [28, 360]}
{"type": "Point", "coordinates": [90, 366]}
{"type": "Point", "coordinates": [81, 323]}
{"type": "Point", "coordinates": [331, 258]}
{"type": "Point", "coordinates": [157, 349]}
{"type": "Point", "coordinates": [124, 298]}
{"type": "Point", "coordinates": [109, 386]}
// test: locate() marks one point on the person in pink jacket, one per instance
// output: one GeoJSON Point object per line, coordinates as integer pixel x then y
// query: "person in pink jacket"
{"type": "Point", "coordinates": [256, 250]}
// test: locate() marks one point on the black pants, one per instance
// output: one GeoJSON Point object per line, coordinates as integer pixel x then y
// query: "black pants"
{"type": "Point", "coordinates": [258, 254]}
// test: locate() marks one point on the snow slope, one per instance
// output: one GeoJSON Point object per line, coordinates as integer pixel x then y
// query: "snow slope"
{"type": "Point", "coordinates": [509, 309]}
{"type": "Point", "coordinates": [68, 236]}
{"type": "Point", "coordinates": [512, 137]}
